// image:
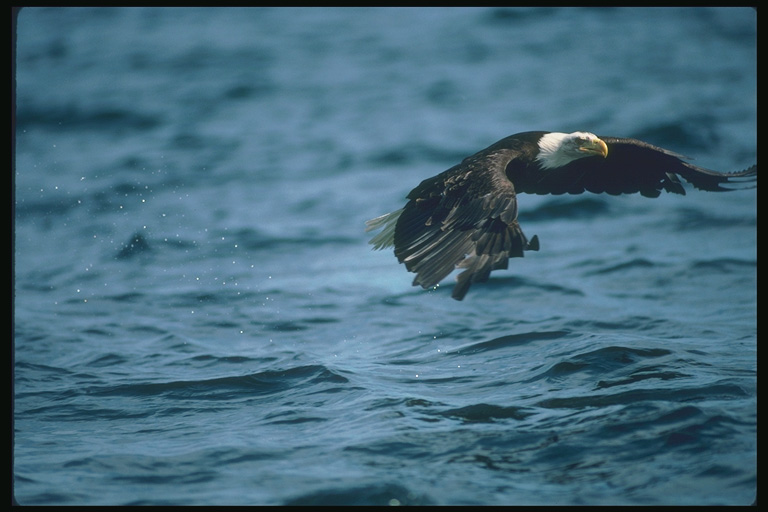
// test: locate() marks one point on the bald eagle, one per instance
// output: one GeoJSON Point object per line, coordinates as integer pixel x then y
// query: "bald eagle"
{"type": "Point", "coordinates": [466, 216]}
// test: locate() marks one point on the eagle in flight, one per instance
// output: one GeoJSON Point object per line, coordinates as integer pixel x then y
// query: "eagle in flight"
{"type": "Point", "coordinates": [466, 216]}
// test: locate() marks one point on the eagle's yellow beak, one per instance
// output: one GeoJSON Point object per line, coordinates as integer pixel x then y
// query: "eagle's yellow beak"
{"type": "Point", "coordinates": [595, 147]}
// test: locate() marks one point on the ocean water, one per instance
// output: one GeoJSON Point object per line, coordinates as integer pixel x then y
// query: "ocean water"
{"type": "Point", "coordinates": [199, 320]}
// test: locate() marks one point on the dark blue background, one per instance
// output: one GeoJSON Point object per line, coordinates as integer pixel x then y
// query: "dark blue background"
{"type": "Point", "coordinates": [199, 319]}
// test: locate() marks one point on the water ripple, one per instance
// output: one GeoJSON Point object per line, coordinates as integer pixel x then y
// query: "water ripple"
{"type": "Point", "coordinates": [258, 383]}
{"type": "Point", "coordinates": [511, 340]}
{"type": "Point", "coordinates": [712, 392]}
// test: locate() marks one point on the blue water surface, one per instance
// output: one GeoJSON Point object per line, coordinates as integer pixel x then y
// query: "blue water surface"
{"type": "Point", "coordinates": [199, 320]}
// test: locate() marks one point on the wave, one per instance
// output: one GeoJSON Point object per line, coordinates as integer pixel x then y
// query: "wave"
{"type": "Point", "coordinates": [374, 494]}
{"type": "Point", "coordinates": [77, 117]}
{"type": "Point", "coordinates": [568, 209]}
{"type": "Point", "coordinates": [487, 413]}
{"type": "Point", "coordinates": [696, 134]}
{"type": "Point", "coordinates": [687, 219]}
{"type": "Point", "coordinates": [504, 284]}
{"type": "Point", "coordinates": [722, 265]}
{"type": "Point", "coordinates": [710, 392]}
{"type": "Point", "coordinates": [635, 263]}
{"type": "Point", "coordinates": [511, 340]}
{"type": "Point", "coordinates": [220, 388]}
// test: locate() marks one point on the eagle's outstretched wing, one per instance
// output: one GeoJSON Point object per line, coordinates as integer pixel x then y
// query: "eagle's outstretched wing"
{"type": "Point", "coordinates": [631, 166]}
{"type": "Point", "coordinates": [465, 217]}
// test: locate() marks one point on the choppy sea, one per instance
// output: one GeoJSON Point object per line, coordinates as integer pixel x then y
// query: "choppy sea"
{"type": "Point", "coordinates": [199, 320]}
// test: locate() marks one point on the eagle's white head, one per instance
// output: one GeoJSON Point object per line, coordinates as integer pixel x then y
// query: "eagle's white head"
{"type": "Point", "coordinates": [558, 149]}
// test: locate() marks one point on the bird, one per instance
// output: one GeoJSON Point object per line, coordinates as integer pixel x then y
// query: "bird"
{"type": "Point", "coordinates": [466, 217]}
